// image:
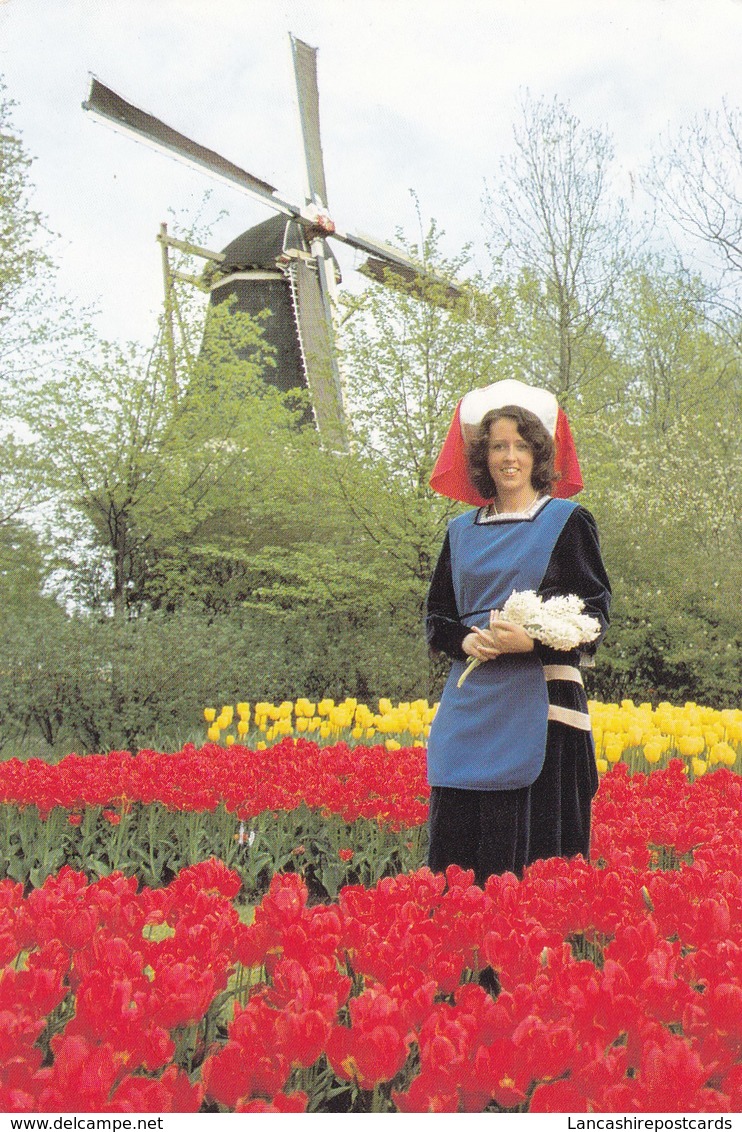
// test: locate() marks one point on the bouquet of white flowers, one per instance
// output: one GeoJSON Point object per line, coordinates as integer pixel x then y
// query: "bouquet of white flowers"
{"type": "Point", "coordinates": [558, 622]}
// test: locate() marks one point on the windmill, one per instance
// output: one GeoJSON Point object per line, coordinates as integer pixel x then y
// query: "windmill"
{"type": "Point", "coordinates": [284, 264]}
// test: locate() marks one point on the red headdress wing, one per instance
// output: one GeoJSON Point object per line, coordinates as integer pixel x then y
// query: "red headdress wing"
{"type": "Point", "coordinates": [450, 475]}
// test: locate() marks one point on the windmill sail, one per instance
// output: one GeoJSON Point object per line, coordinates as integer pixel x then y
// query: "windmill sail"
{"type": "Point", "coordinates": [305, 69]}
{"type": "Point", "coordinates": [318, 351]}
{"type": "Point", "coordinates": [105, 103]}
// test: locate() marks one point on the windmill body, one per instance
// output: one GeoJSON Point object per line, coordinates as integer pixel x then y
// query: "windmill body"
{"type": "Point", "coordinates": [271, 267]}
{"type": "Point", "coordinates": [256, 280]}
{"type": "Point", "coordinates": [284, 264]}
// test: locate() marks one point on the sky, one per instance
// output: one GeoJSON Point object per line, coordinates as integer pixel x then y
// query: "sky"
{"type": "Point", "coordinates": [414, 95]}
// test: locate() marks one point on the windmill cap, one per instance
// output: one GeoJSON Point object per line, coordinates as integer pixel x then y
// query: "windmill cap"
{"type": "Point", "coordinates": [268, 244]}
{"type": "Point", "coordinates": [262, 245]}
{"type": "Point", "coordinates": [476, 404]}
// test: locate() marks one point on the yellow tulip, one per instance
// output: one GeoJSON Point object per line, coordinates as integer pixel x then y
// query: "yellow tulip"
{"type": "Point", "coordinates": [722, 753]}
{"type": "Point", "coordinates": [214, 732]}
{"type": "Point", "coordinates": [209, 714]}
{"type": "Point", "coordinates": [243, 710]}
{"type": "Point", "coordinates": [690, 745]}
{"type": "Point", "coordinates": [653, 750]}
{"type": "Point", "coordinates": [243, 727]}
{"type": "Point", "coordinates": [229, 740]}
{"type": "Point", "coordinates": [602, 765]}
{"type": "Point", "coordinates": [699, 767]}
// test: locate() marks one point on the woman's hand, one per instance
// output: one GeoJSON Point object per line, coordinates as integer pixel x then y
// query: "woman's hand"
{"type": "Point", "coordinates": [480, 644]}
{"type": "Point", "coordinates": [509, 637]}
{"type": "Point", "coordinates": [501, 637]}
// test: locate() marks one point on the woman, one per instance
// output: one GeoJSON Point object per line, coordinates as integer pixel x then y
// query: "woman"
{"type": "Point", "coordinates": [511, 760]}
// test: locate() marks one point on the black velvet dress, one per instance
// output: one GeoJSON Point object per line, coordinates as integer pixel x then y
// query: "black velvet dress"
{"type": "Point", "coordinates": [495, 831]}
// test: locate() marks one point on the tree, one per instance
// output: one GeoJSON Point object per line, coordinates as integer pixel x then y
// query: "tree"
{"type": "Point", "coordinates": [22, 568]}
{"type": "Point", "coordinates": [564, 241]}
{"type": "Point", "coordinates": [661, 473]}
{"type": "Point", "coordinates": [21, 261]}
{"type": "Point", "coordinates": [677, 362]}
{"type": "Point", "coordinates": [36, 326]}
{"type": "Point", "coordinates": [696, 180]}
{"type": "Point", "coordinates": [143, 471]}
{"type": "Point", "coordinates": [22, 258]}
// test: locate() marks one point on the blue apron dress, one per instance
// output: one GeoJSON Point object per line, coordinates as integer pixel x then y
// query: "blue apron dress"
{"type": "Point", "coordinates": [490, 734]}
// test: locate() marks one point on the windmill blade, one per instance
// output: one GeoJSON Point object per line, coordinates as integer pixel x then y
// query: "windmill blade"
{"type": "Point", "coordinates": [387, 264]}
{"type": "Point", "coordinates": [314, 321]}
{"type": "Point", "coordinates": [105, 103]}
{"type": "Point", "coordinates": [305, 70]}
{"type": "Point", "coordinates": [409, 278]}
{"type": "Point", "coordinates": [393, 256]}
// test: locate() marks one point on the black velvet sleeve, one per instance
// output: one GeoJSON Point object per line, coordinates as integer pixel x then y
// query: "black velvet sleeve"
{"type": "Point", "coordinates": [444, 629]}
{"type": "Point", "coordinates": [576, 567]}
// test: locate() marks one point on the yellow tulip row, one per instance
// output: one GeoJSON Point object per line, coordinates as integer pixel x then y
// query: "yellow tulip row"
{"type": "Point", "coordinates": [638, 734]}
{"type": "Point", "coordinates": [325, 721]}
{"type": "Point", "coordinates": [642, 734]}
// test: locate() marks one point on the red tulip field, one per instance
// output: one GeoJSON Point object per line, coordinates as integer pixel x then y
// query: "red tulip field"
{"type": "Point", "coordinates": [253, 930]}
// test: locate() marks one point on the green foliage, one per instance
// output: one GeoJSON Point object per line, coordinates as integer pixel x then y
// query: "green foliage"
{"type": "Point", "coordinates": [22, 567]}
{"type": "Point", "coordinates": [93, 685]}
{"type": "Point", "coordinates": [675, 646]}
{"type": "Point", "coordinates": [21, 257]}
{"type": "Point", "coordinates": [154, 843]}
{"type": "Point", "coordinates": [142, 469]}
{"type": "Point", "coordinates": [661, 466]}
{"type": "Point", "coordinates": [674, 559]}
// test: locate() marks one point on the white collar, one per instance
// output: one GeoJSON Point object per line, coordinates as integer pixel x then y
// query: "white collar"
{"type": "Point", "coordinates": [485, 516]}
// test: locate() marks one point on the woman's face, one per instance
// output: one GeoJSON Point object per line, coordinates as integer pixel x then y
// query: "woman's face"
{"type": "Point", "coordinates": [509, 459]}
